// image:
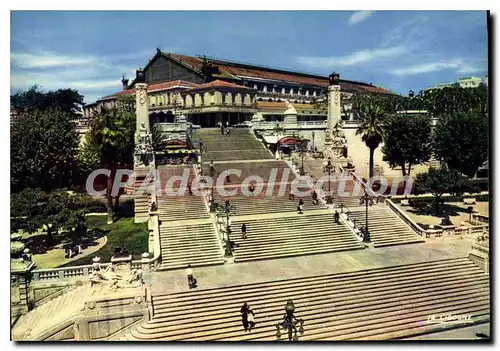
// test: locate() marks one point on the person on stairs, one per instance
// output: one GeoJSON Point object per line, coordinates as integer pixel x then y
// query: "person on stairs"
{"type": "Point", "coordinates": [243, 231]}
{"type": "Point", "coordinates": [300, 207]}
{"type": "Point", "coordinates": [244, 316]}
{"type": "Point", "coordinates": [192, 283]}
{"type": "Point", "coordinates": [336, 217]}
{"type": "Point", "coordinates": [291, 195]}
{"type": "Point", "coordinates": [251, 319]}
{"type": "Point", "coordinates": [315, 198]}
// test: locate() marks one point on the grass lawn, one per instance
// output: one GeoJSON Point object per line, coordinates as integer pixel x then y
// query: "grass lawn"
{"type": "Point", "coordinates": [124, 232]}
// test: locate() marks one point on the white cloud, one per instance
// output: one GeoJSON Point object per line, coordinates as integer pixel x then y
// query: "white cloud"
{"type": "Point", "coordinates": [457, 65]}
{"type": "Point", "coordinates": [359, 16]}
{"type": "Point", "coordinates": [49, 60]}
{"type": "Point", "coordinates": [352, 59]}
{"type": "Point", "coordinates": [93, 76]}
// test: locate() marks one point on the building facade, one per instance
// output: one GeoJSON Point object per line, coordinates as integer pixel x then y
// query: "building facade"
{"type": "Point", "coordinates": [209, 91]}
{"type": "Point", "coordinates": [465, 82]}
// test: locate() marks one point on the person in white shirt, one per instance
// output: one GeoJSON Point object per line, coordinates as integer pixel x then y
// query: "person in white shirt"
{"type": "Point", "coordinates": [191, 279]}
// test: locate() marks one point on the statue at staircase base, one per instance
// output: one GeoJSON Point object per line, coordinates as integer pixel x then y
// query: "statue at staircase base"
{"type": "Point", "coordinates": [290, 115]}
{"type": "Point", "coordinates": [335, 145]}
{"type": "Point", "coordinates": [109, 280]}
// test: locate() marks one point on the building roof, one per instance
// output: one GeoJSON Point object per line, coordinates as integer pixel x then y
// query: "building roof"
{"type": "Point", "coordinates": [238, 71]}
{"type": "Point", "coordinates": [155, 87]}
{"type": "Point", "coordinates": [218, 84]}
{"type": "Point", "coordinates": [241, 71]}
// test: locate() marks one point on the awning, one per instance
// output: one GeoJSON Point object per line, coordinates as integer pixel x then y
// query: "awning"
{"type": "Point", "coordinates": [284, 141]}
{"type": "Point", "coordinates": [289, 141]}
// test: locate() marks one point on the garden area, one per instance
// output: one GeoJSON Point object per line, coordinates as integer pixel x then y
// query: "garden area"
{"type": "Point", "coordinates": [422, 209]}
{"type": "Point", "coordinates": [60, 229]}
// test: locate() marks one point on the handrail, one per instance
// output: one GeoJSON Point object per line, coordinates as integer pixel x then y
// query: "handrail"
{"type": "Point", "coordinates": [421, 231]}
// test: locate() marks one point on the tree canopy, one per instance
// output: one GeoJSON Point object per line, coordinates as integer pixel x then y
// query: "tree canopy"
{"type": "Point", "coordinates": [66, 100]}
{"type": "Point", "coordinates": [441, 181]}
{"type": "Point", "coordinates": [43, 149]}
{"type": "Point", "coordinates": [407, 141]}
{"type": "Point", "coordinates": [462, 141]}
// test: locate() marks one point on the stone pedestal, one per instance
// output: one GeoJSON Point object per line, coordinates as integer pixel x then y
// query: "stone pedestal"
{"type": "Point", "coordinates": [290, 117]}
{"type": "Point", "coordinates": [20, 274]}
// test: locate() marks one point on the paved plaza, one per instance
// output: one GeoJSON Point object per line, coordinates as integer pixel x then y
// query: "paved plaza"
{"type": "Point", "coordinates": [288, 268]}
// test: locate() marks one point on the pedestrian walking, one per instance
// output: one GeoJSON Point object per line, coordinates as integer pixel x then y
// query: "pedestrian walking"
{"type": "Point", "coordinates": [314, 197]}
{"type": "Point", "coordinates": [244, 316]}
{"type": "Point", "coordinates": [300, 207]}
{"type": "Point", "coordinates": [221, 129]}
{"type": "Point", "coordinates": [191, 279]}
{"type": "Point", "coordinates": [243, 231]}
{"type": "Point", "coordinates": [291, 195]}
{"type": "Point", "coordinates": [336, 216]}
{"type": "Point", "coordinates": [228, 179]}
{"type": "Point", "coordinates": [189, 186]}
{"type": "Point", "coordinates": [251, 319]}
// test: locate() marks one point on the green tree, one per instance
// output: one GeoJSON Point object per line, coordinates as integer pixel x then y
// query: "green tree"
{"type": "Point", "coordinates": [442, 181]}
{"type": "Point", "coordinates": [112, 132]}
{"type": "Point", "coordinates": [32, 209]}
{"type": "Point", "coordinates": [370, 112]}
{"type": "Point", "coordinates": [43, 148]}
{"type": "Point", "coordinates": [407, 141]}
{"type": "Point", "coordinates": [66, 100]}
{"type": "Point", "coordinates": [462, 141]}
{"type": "Point", "coordinates": [450, 101]}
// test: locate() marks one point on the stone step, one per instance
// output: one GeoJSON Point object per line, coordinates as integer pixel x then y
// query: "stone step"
{"type": "Point", "coordinates": [182, 245]}
{"type": "Point", "coordinates": [386, 228]}
{"type": "Point", "coordinates": [374, 304]}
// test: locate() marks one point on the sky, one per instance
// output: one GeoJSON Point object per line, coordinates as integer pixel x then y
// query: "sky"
{"type": "Point", "coordinates": [397, 50]}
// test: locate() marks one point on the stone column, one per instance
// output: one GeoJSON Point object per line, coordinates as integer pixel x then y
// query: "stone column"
{"type": "Point", "coordinates": [141, 102]}
{"type": "Point", "coordinates": [333, 101]}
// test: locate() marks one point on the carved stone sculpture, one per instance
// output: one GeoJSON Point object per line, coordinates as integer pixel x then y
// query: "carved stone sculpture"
{"type": "Point", "coordinates": [290, 110]}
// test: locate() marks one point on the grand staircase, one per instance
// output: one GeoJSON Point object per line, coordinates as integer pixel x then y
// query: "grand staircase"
{"type": "Point", "coordinates": [52, 316]}
{"type": "Point", "coordinates": [179, 205]}
{"type": "Point", "coordinates": [240, 144]}
{"type": "Point", "coordinates": [386, 228]}
{"type": "Point", "coordinates": [194, 244]}
{"type": "Point", "coordinates": [296, 235]}
{"type": "Point", "coordinates": [375, 304]}
{"type": "Point", "coordinates": [270, 200]}
{"type": "Point", "coordinates": [274, 171]}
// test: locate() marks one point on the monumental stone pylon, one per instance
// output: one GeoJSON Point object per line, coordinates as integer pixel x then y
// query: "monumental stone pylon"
{"type": "Point", "coordinates": [143, 154]}
{"type": "Point", "coordinates": [335, 145]}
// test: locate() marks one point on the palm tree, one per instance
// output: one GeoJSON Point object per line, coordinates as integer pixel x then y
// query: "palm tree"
{"type": "Point", "coordinates": [159, 139]}
{"type": "Point", "coordinates": [370, 113]}
{"type": "Point", "coordinates": [113, 130]}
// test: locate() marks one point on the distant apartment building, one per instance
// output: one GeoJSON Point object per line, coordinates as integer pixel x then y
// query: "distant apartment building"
{"type": "Point", "coordinates": [465, 82]}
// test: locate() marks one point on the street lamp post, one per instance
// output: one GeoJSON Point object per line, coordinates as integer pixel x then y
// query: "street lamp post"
{"type": "Point", "coordinates": [302, 151]}
{"type": "Point", "coordinates": [290, 322]}
{"type": "Point", "coordinates": [211, 173]}
{"type": "Point", "coordinates": [329, 169]}
{"type": "Point", "coordinates": [366, 200]}
{"type": "Point", "coordinates": [226, 211]}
